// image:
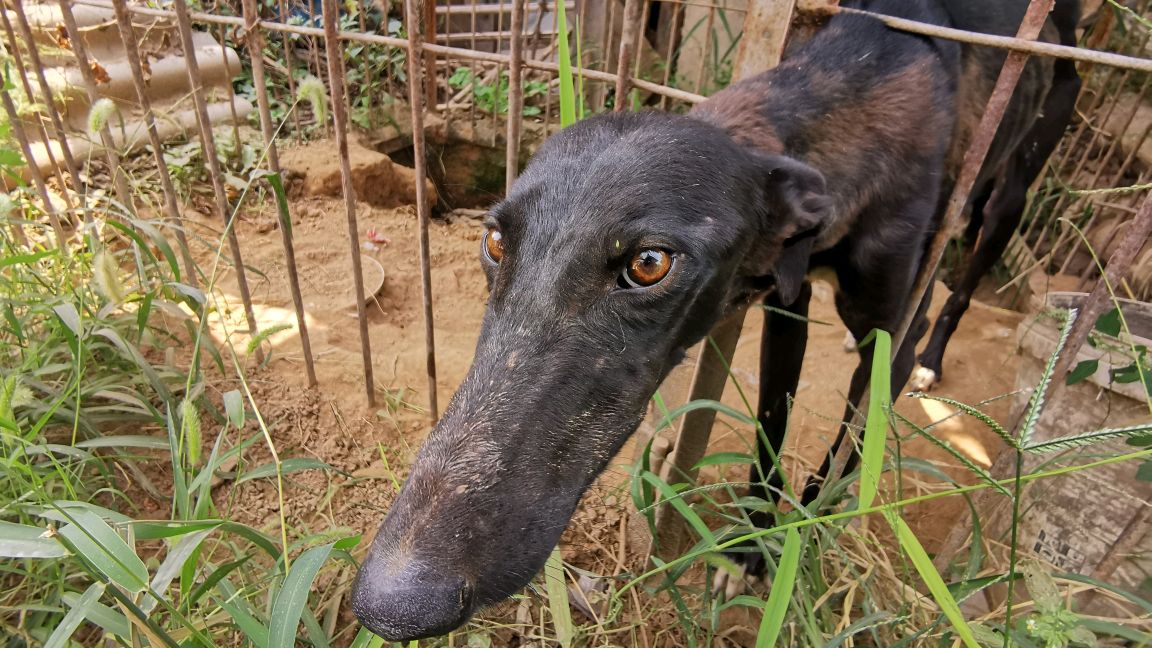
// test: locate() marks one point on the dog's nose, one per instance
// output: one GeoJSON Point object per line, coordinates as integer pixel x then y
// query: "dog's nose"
{"type": "Point", "coordinates": [413, 601]}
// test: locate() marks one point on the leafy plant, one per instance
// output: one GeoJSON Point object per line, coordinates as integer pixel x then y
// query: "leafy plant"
{"type": "Point", "coordinates": [493, 98]}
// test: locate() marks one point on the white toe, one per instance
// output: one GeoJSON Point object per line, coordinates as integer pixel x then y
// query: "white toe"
{"type": "Point", "coordinates": [923, 379]}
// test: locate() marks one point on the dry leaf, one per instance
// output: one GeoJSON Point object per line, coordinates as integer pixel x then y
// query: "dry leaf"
{"type": "Point", "coordinates": [62, 39]}
{"type": "Point", "coordinates": [100, 74]}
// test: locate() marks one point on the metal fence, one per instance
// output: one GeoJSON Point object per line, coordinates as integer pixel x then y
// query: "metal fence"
{"type": "Point", "coordinates": [655, 53]}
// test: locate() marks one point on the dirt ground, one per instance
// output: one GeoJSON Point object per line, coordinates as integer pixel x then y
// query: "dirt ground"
{"type": "Point", "coordinates": [371, 448]}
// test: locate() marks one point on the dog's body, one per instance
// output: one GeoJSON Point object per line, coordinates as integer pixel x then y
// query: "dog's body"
{"type": "Point", "coordinates": [630, 236]}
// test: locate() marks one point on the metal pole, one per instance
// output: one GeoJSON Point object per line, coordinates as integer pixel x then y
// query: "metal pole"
{"type": "Point", "coordinates": [515, 96]}
{"type": "Point", "coordinates": [255, 50]}
{"type": "Point", "coordinates": [132, 54]}
{"type": "Point", "coordinates": [629, 40]}
{"type": "Point", "coordinates": [415, 95]}
{"type": "Point", "coordinates": [209, 147]}
{"type": "Point", "coordinates": [334, 52]}
{"type": "Point", "coordinates": [80, 51]}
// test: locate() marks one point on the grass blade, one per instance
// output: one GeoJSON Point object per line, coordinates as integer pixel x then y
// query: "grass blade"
{"type": "Point", "coordinates": [1036, 403]}
{"type": "Point", "coordinates": [112, 621]}
{"type": "Point", "coordinates": [776, 607]}
{"type": "Point", "coordinates": [563, 57]}
{"type": "Point", "coordinates": [670, 496]}
{"type": "Point", "coordinates": [876, 425]}
{"type": "Point", "coordinates": [939, 590]}
{"type": "Point", "coordinates": [558, 598]}
{"type": "Point", "coordinates": [293, 596]}
{"type": "Point", "coordinates": [288, 465]}
{"type": "Point", "coordinates": [365, 639]}
{"type": "Point", "coordinates": [62, 635]}
{"type": "Point", "coordinates": [91, 537]}
{"type": "Point", "coordinates": [24, 541]}
{"type": "Point", "coordinates": [988, 421]}
{"type": "Point", "coordinates": [1089, 438]}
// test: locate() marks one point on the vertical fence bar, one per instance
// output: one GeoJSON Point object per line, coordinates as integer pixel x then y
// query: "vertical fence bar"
{"type": "Point", "coordinates": [231, 91]}
{"type": "Point", "coordinates": [255, 36]}
{"type": "Point", "coordinates": [415, 79]}
{"type": "Point", "coordinates": [675, 26]}
{"type": "Point", "coordinates": [132, 54]}
{"type": "Point", "coordinates": [334, 51]}
{"type": "Point", "coordinates": [629, 37]}
{"type": "Point", "coordinates": [184, 25]}
{"type": "Point", "coordinates": [49, 102]}
{"type": "Point", "coordinates": [33, 169]}
{"type": "Point", "coordinates": [706, 51]}
{"type": "Point", "coordinates": [515, 96]}
{"type": "Point", "coordinates": [80, 51]}
{"type": "Point", "coordinates": [286, 40]}
{"type": "Point", "coordinates": [430, 57]}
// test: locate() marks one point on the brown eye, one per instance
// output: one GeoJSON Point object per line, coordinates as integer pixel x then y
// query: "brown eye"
{"type": "Point", "coordinates": [493, 245]}
{"type": "Point", "coordinates": [647, 268]}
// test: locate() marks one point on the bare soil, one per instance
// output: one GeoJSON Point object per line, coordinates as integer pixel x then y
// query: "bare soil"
{"type": "Point", "coordinates": [371, 448]}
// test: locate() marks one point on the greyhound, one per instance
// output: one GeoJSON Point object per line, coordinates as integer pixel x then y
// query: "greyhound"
{"type": "Point", "coordinates": [630, 236]}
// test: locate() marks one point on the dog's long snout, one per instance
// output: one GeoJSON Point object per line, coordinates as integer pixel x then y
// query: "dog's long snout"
{"type": "Point", "coordinates": [409, 601]}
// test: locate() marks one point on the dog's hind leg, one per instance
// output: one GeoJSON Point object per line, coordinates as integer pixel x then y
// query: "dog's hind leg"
{"type": "Point", "coordinates": [1001, 215]}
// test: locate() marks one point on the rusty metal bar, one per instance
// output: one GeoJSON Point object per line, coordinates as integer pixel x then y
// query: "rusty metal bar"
{"type": "Point", "coordinates": [416, 47]}
{"type": "Point", "coordinates": [256, 48]}
{"type": "Point", "coordinates": [287, 44]}
{"type": "Point", "coordinates": [80, 51]}
{"type": "Point", "coordinates": [33, 170]}
{"type": "Point", "coordinates": [430, 56]}
{"type": "Point", "coordinates": [515, 97]}
{"type": "Point", "coordinates": [334, 52]}
{"type": "Point", "coordinates": [132, 54]}
{"type": "Point", "coordinates": [49, 102]}
{"type": "Point", "coordinates": [472, 68]}
{"type": "Point", "coordinates": [629, 37]}
{"type": "Point", "coordinates": [448, 52]}
{"type": "Point", "coordinates": [184, 26]}
{"type": "Point", "coordinates": [494, 8]}
{"type": "Point", "coordinates": [231, 91]}
{"type": "Point", "coordinates": [1030, 27]}
{"type": "Point", "coordinates": [1119, 264]}
{"type": "Point", "coordinates": [706, 50]}
{"type": "Point", "coordinates": [1017, 44]}
{"type": "Point", "coordinates": [675, 27]}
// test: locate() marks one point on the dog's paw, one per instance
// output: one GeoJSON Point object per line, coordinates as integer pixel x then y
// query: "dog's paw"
{"type": "Point", "coordinates": [727, 586]}
{"type": "Point", "coordinates": [849, 343]}
{"type": "Point", "coordinates": [749, 570]}
{"type": "Point", "coordinates": [923, 379]}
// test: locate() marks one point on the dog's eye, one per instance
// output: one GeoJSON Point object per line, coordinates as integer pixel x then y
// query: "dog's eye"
{"type": "Point", "coordinates": [493, 245]}
{"type": "Point", "coordinates": [645, 269]}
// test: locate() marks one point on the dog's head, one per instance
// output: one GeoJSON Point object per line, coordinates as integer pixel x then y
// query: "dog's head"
{"type": "Point", "coordinates": [627, 238]}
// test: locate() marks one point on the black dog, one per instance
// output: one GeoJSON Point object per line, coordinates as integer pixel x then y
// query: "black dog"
{"type": "Point", "coordinates": [630, 236]}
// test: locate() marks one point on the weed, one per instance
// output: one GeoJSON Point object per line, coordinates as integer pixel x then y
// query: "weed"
{"type": "Point", "coordinates": [493, 98]}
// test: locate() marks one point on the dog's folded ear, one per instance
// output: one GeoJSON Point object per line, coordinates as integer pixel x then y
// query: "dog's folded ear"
{"type": "Point", "coordinates": [797, 208]}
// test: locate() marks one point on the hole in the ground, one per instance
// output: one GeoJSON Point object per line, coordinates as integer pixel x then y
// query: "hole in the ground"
{"type": "Point", "coordinates": [466, 175]}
